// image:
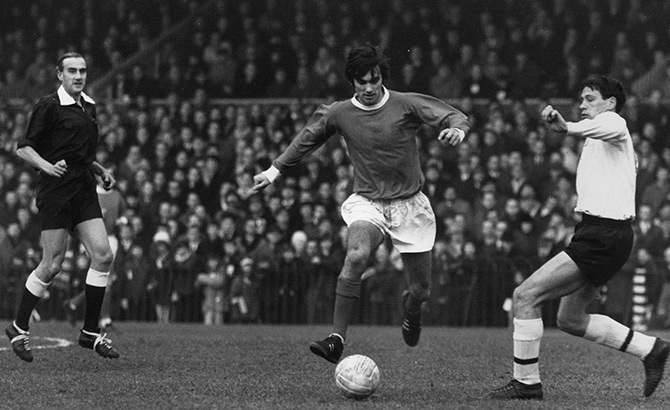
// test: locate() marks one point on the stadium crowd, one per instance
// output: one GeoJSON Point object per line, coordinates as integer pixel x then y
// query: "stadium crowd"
{"type": "Point", "coordinates": [186, 130]}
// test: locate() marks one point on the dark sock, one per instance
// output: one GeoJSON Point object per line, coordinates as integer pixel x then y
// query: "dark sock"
{"type": "Point", "coordinates": [26, 307]}
{"type": "Point", "coordinates": [94, 296]}
{"type": "Point", "coordinates": [345, 307]}
{"type": "Point", "coordinates": [413, 306]}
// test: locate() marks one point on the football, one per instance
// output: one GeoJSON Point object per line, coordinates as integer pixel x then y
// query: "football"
{"type": "Point", "coordinates": [357, 377]}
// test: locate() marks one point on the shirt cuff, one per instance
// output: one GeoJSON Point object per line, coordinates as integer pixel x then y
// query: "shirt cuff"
{"type": "Point", "coordinates": [461, 134]}
{"type": "Point", "coordinates": [271, 173]}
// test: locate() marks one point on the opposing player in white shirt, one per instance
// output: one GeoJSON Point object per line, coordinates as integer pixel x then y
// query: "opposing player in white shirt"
{"type": "Point", "coordinates": [600, 246]}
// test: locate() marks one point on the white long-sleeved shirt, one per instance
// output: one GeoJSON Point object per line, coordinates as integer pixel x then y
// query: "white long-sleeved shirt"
{"type": "Point", "coordinates": [607, 167]}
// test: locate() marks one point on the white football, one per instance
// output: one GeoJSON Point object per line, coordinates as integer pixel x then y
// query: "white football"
{"type": "Point", "coordinates": [357, 376]}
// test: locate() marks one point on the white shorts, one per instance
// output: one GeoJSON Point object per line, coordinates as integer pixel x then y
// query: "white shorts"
{"type": "Point", "coordinates": [410, 222]}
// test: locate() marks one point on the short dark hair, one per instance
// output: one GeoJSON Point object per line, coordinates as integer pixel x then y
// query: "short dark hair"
{"type": "Point", "coordinates": [70, 54]}
{"type": "Point", "coordinates": [608, 87]}
{"type": "Point", "coordinates": [362, 59]}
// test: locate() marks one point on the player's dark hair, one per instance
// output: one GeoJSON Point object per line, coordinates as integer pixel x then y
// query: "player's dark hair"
{"type": "Point", "coordinates": [70, 54]}
{"type": "Point", "coordinates": [362, 59]}
{"type": "Point", "coordinates": [608, 87]}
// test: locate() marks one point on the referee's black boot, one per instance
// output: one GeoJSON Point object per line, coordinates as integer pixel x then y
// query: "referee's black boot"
{"type": "Point", "coordinates": [19, 340]}
{"type": "Point", "coordinates": [654, 365]}
{"type": "Point", "coordinates": [99, 343]}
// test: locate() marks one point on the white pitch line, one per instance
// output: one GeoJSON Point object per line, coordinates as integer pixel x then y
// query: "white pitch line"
{"type": "Point", "coordinates": [57, 342]}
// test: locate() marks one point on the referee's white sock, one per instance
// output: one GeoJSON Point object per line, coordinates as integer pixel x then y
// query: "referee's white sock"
{"type": "Point", "coordinates": [527, 337]}
{"type": "Point", "coordinates": [608, 332]}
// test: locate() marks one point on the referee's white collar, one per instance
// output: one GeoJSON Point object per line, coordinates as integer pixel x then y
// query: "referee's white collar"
{"type": "Point", "coordinates": [66, 99]}
{"type": "Point", "coordinates": [380, 104]}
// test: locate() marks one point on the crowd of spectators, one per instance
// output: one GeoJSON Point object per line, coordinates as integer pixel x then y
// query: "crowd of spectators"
{"type": "Point", "coordinates": [195, 243]}
{"type": "Point", "coordinates": [287, 48]}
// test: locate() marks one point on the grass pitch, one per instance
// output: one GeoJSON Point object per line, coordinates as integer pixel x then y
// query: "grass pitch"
{"type": "Point", "coordinates": [180, 366]}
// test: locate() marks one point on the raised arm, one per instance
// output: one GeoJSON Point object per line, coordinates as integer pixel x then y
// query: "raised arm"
{"type": "Point", "coordinates": [309, 139]}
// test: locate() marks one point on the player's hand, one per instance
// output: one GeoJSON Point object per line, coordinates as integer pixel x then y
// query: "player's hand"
{"type": "Point", "coordinates": [260, 182]}
{"type": "Point", "coordinates": [108, 181]}
{"type": "Point", "coordinates": [451, 136]}
{"type": "Point", "coordinates": [549, 114]}
{"type": "Point", "coordinates": [58, 169]}
{"type": "Point", "coordinates": [554, 119]}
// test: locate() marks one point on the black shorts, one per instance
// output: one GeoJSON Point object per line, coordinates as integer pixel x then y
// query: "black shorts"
{"type": "Point", "coordinates": [600, 247]}
{"type": "Point", "coordinates": [64, 203]}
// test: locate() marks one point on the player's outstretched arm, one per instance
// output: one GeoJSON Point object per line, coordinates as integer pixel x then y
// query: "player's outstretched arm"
{"type": "Point", "coordinates": [451, 136]}
{"type": "Point", "coordinates": [265, 178]}
{"type": "Point", "coordinates": [554, 119]}
{"type": "Point", "coordinates": [260, 182]}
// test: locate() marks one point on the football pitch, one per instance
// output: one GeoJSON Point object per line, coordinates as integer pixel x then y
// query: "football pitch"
{"type": "Point", "coordinates": [180, 366]}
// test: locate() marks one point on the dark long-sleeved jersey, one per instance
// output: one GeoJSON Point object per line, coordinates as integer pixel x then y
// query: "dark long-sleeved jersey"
{"type": "Point", "coordinates": [381, 140]}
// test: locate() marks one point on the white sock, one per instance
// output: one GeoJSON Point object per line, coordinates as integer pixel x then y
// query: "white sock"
{"type": "Point", "coordinates": [608, 332]}
{"type": "Point", "coordinates": [96, 278]}
{"type": "Point", "coordinates": [527, 336]}
{"type": "Point", "coordinates": [21, 331]}
{"type": "Point", "coordinates": [35, 285]}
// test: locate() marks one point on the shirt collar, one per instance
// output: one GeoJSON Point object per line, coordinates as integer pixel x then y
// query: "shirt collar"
{"type": "Point", "coordinates": [66, 99]}
{"type": "Point", "coordinates": [380, 104]}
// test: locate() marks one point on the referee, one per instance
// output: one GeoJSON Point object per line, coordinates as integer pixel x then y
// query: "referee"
{"type": "Point", "coordinates": [60, 144]}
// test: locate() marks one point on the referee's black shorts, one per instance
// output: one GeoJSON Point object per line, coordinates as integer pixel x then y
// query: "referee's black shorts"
{"type": "Point", "coordinates": [64, 203]}
{"type": "Point", "coordinates": [600, 247]}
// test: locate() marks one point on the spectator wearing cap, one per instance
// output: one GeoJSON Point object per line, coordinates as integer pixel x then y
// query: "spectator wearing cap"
{"type": "Point", "coordinates": [161, 275]}
{"type": "Point", "coordinates": [134, 285]}
{"type": "Point", "coordinates": [249, 238]}
{"type": "Point", "coordinates": [307, 222]}
{"type": "Point", "coordinates": [244, 298]}
{"type": "Point", "coordinates": [185, 297]}
{"type": "Point", "coordinates": [212, 282]}
{"type": "Point", "coordinates": [126, 235]}
{"type": "Point", "coordinates": [212, 178]}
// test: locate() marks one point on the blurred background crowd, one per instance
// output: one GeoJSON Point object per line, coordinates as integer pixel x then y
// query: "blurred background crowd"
{"type": "Point", "coordinates": [194, 97]}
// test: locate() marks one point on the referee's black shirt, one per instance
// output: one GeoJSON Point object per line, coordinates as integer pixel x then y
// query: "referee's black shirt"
{"type": "Point", "coordinates": [61, 129]}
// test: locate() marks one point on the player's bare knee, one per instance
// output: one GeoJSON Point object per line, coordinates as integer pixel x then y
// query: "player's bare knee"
{"type": "Point", "coordinates": [53, 267]}
{"type": "Point", "coordinates": [108, 257]}
{"type": "Point", "coordinates": [103, 258]}
{"type": "Point", "coordinates": [518, 296]}
{"type": "Point", "coordinates": [574, 325]}
{"type": "Point", "coordinates": [523, 298]}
